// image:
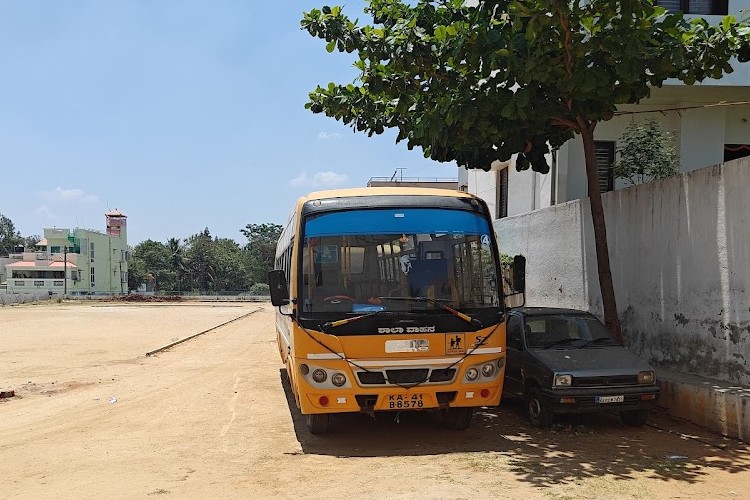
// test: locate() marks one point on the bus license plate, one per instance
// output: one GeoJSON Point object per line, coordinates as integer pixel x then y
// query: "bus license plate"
{"type": "Point", "coordinates": [405, 401]}
{"type": "Point", "coordinates": [610, 399]}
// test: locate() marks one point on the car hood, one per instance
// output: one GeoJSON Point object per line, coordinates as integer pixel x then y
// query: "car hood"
{"type": "Point", "coordinates": [606, 360]}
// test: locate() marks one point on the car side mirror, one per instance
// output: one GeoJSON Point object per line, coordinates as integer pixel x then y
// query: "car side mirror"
{"type": "Point", "coordinates": [278, 288]}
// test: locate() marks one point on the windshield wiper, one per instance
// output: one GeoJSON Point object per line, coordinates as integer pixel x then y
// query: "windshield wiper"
{"type": "Point", "coordinates": [561, 341]}
{"type": "Point", "coordinates": [472, 321]}
{"type": "Point", "coordinates": [593, 341]}
{"type": "Point", "coordinates": [345, 321]}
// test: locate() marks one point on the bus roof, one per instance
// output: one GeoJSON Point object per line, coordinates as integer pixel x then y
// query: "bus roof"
{"type": "Point", "coordinates": [383, 191]}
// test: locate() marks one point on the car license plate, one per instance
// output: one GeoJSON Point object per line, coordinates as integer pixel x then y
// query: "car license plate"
{"type": "Point", "coordinates": [609, 399]}
{"type": "Point", "coordinates": [405, 401]}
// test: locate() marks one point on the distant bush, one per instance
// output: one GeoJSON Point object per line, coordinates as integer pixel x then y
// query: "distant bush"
{"type": "Point", "coordinates": [260, 289]}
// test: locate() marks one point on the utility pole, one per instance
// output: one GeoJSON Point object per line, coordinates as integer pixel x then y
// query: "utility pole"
{"type": "Point", "coordinates": [401, 173]}
{"type": "Point", "coordinates": [65, 270]}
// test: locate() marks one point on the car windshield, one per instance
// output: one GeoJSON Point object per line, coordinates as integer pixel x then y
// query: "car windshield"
{"type": "Point", "coordinates": [552, 331]}
{"type": "Point", "coordinates": [362, 261]}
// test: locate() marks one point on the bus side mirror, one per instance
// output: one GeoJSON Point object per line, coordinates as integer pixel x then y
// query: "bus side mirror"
{"type": "Point", "coordinates": [278, 287]}
{"type": "Point", "coordinates": [519, 273]}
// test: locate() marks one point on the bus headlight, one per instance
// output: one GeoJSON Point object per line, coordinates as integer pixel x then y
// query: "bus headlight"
{"type": "Point", "coordinates": [500, 363]}
{"type": "Point", "coordinates": [488, 370]}
{"type": "Point", "coordinates": [338, 379]}
{"type": "Point", "coordinates": [319, 375]}
{"type": "Point", "coordinates": [304, 369]}
{"type": "Point", "coordinates": [563, 380]}
{"type": "Point", "coordinates": [472, 374]}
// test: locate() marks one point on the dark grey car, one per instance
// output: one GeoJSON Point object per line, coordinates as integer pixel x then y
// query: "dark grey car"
{"type": "Point", "coordinates": [565, 361]}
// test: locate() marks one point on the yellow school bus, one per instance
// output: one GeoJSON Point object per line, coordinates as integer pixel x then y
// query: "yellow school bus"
{"type": "Point", "coordinates": [390, 299]}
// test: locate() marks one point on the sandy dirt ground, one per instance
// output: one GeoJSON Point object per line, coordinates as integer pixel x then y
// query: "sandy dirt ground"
{"type": "Point", "coordinates": [94, 417]}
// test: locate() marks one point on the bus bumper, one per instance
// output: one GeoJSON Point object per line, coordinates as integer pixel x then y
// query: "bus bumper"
{"type": "Point", "coordinates": [398, 399]}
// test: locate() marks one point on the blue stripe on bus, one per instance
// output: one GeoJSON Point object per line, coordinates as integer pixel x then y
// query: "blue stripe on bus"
{"type": "Point", "coordinates": [396, 221]}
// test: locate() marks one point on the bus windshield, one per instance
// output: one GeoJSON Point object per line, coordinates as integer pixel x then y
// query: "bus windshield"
{"type": "Point", "coordinates": [370, 260]}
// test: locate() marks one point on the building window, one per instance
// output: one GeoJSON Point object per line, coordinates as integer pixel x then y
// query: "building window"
{"type": "Point", "coordinates": [705, 7]}
{"type": "Point", "coordinates": [92, 275]}
{"type": "Point", "coordinates": [501, 187]}
{"type": "Point", "coordinates": [605, 159]}
{"type": "Point", "coordinates": [734, 151]}
{"type": "Point", "coordinates": [92, 252]}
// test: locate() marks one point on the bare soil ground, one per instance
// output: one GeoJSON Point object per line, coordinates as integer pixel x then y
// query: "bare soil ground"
{"type": "Point", "coordinates": [94, 417]}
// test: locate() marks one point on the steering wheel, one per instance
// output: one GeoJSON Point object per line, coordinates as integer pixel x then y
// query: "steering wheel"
{"type": "Point", "coordinates": [336, 299]}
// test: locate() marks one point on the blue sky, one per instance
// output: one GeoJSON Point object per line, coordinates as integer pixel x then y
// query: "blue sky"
{"type": "Point", "coordinates": [181, 114]}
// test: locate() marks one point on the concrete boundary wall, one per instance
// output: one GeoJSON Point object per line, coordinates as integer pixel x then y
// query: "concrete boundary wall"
{"type": "Point", "coordinates": [680, 257]}
{"type": "Point", "coordinates": [22, 298]}
{"type": "Point", "coordinates": [716, 405]}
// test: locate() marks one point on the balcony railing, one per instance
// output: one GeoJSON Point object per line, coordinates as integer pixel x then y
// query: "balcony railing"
{"type": "Point", "coordinates": [39, 283]}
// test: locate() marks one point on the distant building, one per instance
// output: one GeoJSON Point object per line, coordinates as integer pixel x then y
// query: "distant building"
{"type": "Point", "coordinates": [73, 262]}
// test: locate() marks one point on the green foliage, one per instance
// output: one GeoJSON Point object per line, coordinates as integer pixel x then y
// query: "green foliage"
{"type": "Point", "coordinates": [202, 263]}
{"type": "Point", "coordinates": [261, 248]}
{"type": "Point", "coordinates": [260, 289]}
{"type": "Point", "coordinates": [478, 84]}
{"type": "Point", "coordinates": [646, 152]}
{"type": "Point", "coordinates": [9, 237]}
{"type": "Point", "coordinates": [149, 262]}
{"type": "Point", "coordinates": [506, 260]}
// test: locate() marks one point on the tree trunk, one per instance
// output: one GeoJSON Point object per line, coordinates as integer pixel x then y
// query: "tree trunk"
{"type": "Point", "coordinates": [611, 319]}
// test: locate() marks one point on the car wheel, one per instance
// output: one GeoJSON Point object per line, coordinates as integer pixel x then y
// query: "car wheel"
{"type": "Point", "coordinates": [634, 418]}
{"type": "Point", "coordinates": [457, 419]}
{"type": "Point", "coordinates": [538, 413]}
{"type": "Point", "coordinates": [317, 424]}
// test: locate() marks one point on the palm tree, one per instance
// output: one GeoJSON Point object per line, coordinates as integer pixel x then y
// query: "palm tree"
{"type": "Point", "coordinates": [177, 259]}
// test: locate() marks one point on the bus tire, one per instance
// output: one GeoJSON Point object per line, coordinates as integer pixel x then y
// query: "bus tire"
{"type": "Point", "coordinates": [457, 419]}
{"type": "Point", "coordinates": [317, 423]}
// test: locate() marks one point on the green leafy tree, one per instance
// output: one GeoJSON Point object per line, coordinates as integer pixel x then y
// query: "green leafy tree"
{"type": "Point", "coordinates": [29, 242]}
{"type": "Point", "coordinates": [9, 237]}
{"type": "Point", "coordinates": [201, 265]}
{"type": "Point", "coordinates": [260, 289]}
{"type": "Point", "coordinates": [231, 272]}
{"type": "Point", "coordinates": [261, 249]}
{"type": "Point", "coordinates": [214, 264]}
{"type": "Point", "coordinates": [646, 152]}
{"type": "Point", "coordinates": [474, 84]}
{"type": "Point", "coordinates": [150, 262]}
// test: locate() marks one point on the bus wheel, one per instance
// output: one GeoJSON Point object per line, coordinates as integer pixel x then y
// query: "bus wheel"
{"type": "Point", "coordinates": [457, 419]}
{"type": "Point", "coordinates": [317, 424]}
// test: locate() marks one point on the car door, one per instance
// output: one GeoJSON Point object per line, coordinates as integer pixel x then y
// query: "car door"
{"type": "Point", "coordinates": [514, 356]}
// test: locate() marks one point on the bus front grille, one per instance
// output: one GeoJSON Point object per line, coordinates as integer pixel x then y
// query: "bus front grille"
{"type": "Point", "coordinates": [407, 375]}
{"type": "Point", "coordinates": [442, 375]}
{"type": "Point", "coordinates": [371, 378]}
